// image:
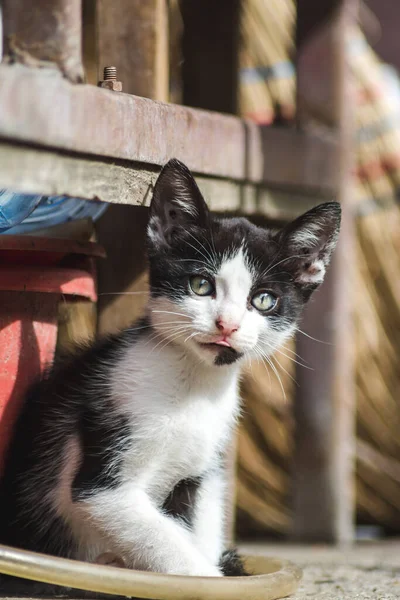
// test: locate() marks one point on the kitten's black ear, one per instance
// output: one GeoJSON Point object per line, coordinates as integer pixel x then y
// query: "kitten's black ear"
{"type": "Point", "coordinates": [310, 240]}
{"type": "Point", "coordinates": [177, 202]}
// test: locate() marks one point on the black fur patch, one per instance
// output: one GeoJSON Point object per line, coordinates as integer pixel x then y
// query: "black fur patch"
{"type": "Point", "coordinates": [103, 443]}
{"type": "Point", "coordinates": [181, 502]}
{"type": "Point", "coordinates": [232, 565]}
{"type": "Point", "coordinates": [227, 356]}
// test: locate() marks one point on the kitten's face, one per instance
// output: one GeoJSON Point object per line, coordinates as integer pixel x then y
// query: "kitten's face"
{"type": "Point", "coordinates": [224, 288]}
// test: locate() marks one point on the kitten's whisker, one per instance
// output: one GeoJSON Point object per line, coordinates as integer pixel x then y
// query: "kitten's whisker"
{"type": "Point", "coordinates": [138, 328]}
{"type": "Point", "coordinates": [284, 370]}
{"type": "Point", "coordinates": [280, 262]}
{"type": "Point", "coordinates": [123, 293]}
{"type": "Point", "coordinates": [173, 330]}
{"type": "Point", "coordinates": [151, 326]}
{"type": "Point", "coordinates": [200, 252]}
{"type": "Point", "coordinates": [260, 358]}
{"type": "Point", "coordinates": [192, 335]}
{"type": "Point", "coordinates": [210, 256]}
{"type": "Point", "coordinates": [278, 377]}
{"type": "Point", "coordinates": [268, 360]}
{"type": "Point", "coordinates": [202, 262]}
{"type": "Point", "coordinates": [294, 353]}
{"type": "Point", "coordinates": [168, 340]}
{"type": "Point", "coordinates": [286, 356]}
{"type": "Point", "coordinates": [293, 360]}
{"type": "Point", "coordinates": [162, 334]}
{"type": "Point", "coordinates": [313, 338]}
{"type": "Point", "coordinates": [170, 312]}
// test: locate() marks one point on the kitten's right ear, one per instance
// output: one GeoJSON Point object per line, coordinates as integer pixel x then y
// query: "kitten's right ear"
{"type": "Point", "coordinates": [177, 202]}
{"type": "Point", "coordinates": [310, 241]}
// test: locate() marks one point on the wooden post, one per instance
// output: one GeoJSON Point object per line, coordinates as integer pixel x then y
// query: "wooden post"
{"type": "Point", "coordinates": [44, 33]}
{"type": "Point", "coordinates": [133, 37]}
{"type": "Point", "coordinates": [323, 495]}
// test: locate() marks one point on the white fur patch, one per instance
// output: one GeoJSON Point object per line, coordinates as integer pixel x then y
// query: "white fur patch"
{"type": "Point", "coordinates": [186, 206]}
{"type": "Point", "coordinates": [314, 273]}
{"type": "Point", "coordinates": [307, 237]}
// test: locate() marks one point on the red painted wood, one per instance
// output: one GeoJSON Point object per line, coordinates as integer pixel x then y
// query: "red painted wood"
{"type": "Point", "coordinates": [28, 332]}
{"type": "Point", "coordinates": [53, 280]}
{"type": "Point", "coordinates": [35, 273]}
{"type": "Point", "coordinates": [26, 249]}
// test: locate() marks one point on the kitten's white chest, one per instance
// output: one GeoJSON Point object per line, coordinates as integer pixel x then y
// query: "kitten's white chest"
{"type": "Point", "coordinates": [180, 433]}
{"type": "Point", "coordinates": [197, 430]}
{"type": "Point", "coordinates": [180, 419]}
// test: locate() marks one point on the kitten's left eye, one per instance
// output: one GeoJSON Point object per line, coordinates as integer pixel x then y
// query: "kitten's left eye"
{"type": "Point", "coordinates": [264, 301]}
{"type": "Point", "coordinates": [201, 286]}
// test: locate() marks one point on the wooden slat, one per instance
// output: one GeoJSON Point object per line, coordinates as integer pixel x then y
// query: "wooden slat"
{"type": "Point", "coordinates": [39, 107]}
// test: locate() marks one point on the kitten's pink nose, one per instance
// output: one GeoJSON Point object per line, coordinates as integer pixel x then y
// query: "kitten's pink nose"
{"type": "Point", "coordinates": [226, 328]}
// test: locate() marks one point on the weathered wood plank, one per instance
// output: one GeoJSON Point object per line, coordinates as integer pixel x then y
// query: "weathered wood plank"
{"type": "Point", "coordinates": [41, 108]}
{"type": "Point", "coordinates": [42, 171]}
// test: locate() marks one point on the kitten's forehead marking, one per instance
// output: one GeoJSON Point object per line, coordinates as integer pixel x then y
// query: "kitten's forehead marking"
{"type": "Point", "coordinates": [234, 276]}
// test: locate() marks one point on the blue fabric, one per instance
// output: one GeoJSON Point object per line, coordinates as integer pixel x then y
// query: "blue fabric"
{"type": "Point", "coordinates": [14, 208]}
{"type": "Point", "coordinates": [282, 70]}
{"type": "Point", "coordinates": [46, 212]}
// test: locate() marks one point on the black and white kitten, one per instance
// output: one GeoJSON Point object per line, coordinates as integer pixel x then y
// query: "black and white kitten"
{"type": "Point", "coordinates": [120, 449]}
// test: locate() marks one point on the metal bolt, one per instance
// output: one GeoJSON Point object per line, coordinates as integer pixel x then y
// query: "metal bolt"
{"type": "Point", "coordinates": [110, 80]}
{"type": "Point", "coordinates": [110, 73]}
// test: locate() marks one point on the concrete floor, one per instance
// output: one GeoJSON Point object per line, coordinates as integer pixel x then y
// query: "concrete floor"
{"type": "Point", "coordinates": [370, 570]}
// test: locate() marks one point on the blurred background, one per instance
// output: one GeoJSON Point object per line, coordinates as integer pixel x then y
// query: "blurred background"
{"type": "Point", "coordinates": [313, 93]}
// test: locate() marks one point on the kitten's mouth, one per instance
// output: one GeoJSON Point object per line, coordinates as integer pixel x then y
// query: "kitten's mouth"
{"type": "Point", "coordinates": [223, 353]}
{"type": "Point", "coordinates": [223, 342]}
{"type": "Point", "coordinates": [216, 346]}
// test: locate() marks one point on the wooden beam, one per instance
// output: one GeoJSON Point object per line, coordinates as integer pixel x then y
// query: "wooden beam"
{"type": "Point", "coordinates": [34, 170]}
{"type": "Point", "coordinates": [323, 469]}
{"type": "Point", "coordinates": [210, 54]}
{"type": "Point", "coordinates": [44, 33]}
{"type": "Point", "coordinates": [99, 122]}
{"type": "Point", "coordinates": [133, 36]}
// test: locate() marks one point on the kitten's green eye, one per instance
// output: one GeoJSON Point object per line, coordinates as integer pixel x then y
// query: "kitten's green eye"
{"type": "Point", "coordinates": [264, 301]}
{"type": "Point", "coordinates": [201, 286]}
